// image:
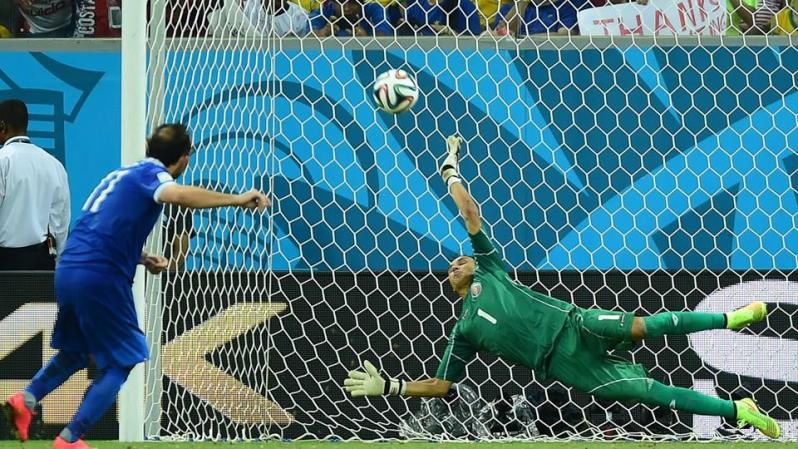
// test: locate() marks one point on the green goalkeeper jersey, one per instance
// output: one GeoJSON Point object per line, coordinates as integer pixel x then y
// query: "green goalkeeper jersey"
{"type": "Point", "coordinates": [502, 317]}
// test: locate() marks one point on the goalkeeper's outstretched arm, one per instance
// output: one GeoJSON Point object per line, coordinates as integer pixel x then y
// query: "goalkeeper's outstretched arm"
{"type": "Point", "coordinates": [450, 171]}
{"type": "Point", "coordinates": [369, 382]}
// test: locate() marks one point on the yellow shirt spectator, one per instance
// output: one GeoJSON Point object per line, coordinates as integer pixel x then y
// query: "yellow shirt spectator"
{"type": "Point", "coordinates": [786, 21]}
{"type": "Point", "coordinates": [308, 5]}
{"type": "Point", "coordinates": [488, 10]}
{"type": "Point", "coordinates": [4, 32]}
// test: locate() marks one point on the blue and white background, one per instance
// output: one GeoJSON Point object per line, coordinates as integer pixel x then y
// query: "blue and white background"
{"type": "Point", "coordinates": [73, 101]}
{"type": "Point", "coordinates": [678, 161]}
{"type": "Point", "coordinates": [639, 158]}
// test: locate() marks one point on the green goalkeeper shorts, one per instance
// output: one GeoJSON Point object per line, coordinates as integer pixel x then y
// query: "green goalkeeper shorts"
{"type": "Point", "coordinates": [580, 359]}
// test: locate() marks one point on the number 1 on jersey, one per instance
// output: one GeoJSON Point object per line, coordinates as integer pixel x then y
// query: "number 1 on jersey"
{"type": "Point", "coordinates": [104, 189]}
{"type": "Point", "coordinates": [486, 315]}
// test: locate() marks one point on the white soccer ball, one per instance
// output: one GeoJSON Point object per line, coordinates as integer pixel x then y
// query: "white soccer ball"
{"type": "Point", "coordinates": [395, 91]}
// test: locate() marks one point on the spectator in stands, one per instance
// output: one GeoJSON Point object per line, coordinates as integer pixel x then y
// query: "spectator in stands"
{"type": "Point", "coordinates": [436, 17]}
{"type": "Point", "coordinates": [350, 18]}
{"type": "Point", "coordinates": [542, 17]}
{"type": "Point", "coordinates": [99, 18]}
{"type": "Point", "coordinates": [34, 196]}
{"type": "Point", "coordinates": [259, 18]}
{"type": "Point", "coordinates": [786, 21]}
{"type": "Point", "coordinates": [310, 5]}
{"type": "Point", "coordinates": [47, 18]}
{"type": "Point", "coordinates": [8, 18]}
{"type": "Point", "coordinates": [285, 17]}
{"type": "Point", "coordinates": [751, 16]}
{"type": "Point", "coordinates": [490, 12]}
{"type": "Point", "coordinates": [432, 17]}
{"type": "Point", "coordinates": [394, 12]}
{"type": "Point", "coordinates": [190, 18]}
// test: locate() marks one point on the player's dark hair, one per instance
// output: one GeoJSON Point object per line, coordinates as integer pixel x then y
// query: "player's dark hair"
{"type": "Point", "coordinates": [14, 114]}
{"type": "Point", "coordinates": [168, 143]}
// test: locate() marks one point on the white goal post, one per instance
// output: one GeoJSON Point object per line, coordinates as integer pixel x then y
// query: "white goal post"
{"type": "Point", "coordinates": [636, 173]}
{"type": "Point", "coordinates": [133, 135]}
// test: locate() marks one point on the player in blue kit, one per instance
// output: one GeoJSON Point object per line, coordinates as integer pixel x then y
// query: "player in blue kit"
{"type": "Point", "coordinates": [93, 278]}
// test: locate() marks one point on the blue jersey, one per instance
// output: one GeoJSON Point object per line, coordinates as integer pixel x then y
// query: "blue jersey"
{"type": "Point", "coordinates": [548, 18]}
{"type": "Point", "coordinates": [116, 219]}
{"type": "Point", "coordinates": [374, 20]}
{"type": "Point", "coordinates": [461, 16]}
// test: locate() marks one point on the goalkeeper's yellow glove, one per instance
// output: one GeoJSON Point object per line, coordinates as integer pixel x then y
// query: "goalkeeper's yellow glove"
{"type": "Point", "coordinates": [370, 383]}
{"type": "Point", "coordinates": [450, 168]}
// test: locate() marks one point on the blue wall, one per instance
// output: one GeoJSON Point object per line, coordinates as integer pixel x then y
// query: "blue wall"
{"type": "Point", "coordinates": [74, 105]}
{"type": "Point", "coordinates": [675, 158]}
{"type": "Point", "coordinates": [635, 158]}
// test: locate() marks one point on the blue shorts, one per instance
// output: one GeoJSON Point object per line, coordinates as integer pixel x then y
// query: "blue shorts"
{"type": "Point", "coordinates": [96, 315]}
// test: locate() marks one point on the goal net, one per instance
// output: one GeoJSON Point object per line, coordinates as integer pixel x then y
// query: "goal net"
{"type": "Point", "coordinates": [631, 174]}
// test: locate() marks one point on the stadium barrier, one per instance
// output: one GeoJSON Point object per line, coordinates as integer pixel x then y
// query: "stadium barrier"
{"type": "Point", "coordinates": [316, 327]}
{"type": "Point", "coordinates": [333, 336]}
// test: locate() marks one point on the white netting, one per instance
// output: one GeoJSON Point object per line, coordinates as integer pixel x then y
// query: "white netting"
{"type": "Point", "coordinates": [623, 174]}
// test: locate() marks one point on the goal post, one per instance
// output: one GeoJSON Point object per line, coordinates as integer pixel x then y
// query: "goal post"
{"type": "Point", "coordinates": [133, 135]}
{"type": "Point", "coordinates": [636, 174]}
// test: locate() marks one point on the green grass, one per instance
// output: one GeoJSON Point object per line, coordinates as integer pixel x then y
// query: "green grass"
{"type": "Point", "coordinates": [408, 445]}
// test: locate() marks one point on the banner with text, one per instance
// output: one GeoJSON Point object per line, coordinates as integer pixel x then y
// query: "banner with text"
{"type": "Point", "coordinates": [658, 17]}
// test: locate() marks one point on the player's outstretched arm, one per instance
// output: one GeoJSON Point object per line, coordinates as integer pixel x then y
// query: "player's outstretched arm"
{"type": "Point", "coordinates": [369, 382]}
{"type": "Point", "coordinates": [199, 198]}
{"type": "Point", "coordinates": [450, 171]}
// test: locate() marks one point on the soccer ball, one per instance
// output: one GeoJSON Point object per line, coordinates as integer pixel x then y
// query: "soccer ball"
{"type": "Point", "coordinates": [395, 91]}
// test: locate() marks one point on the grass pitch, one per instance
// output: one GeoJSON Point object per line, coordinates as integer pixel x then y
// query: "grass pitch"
{"type": "Point", "coordinates": [406, 445]}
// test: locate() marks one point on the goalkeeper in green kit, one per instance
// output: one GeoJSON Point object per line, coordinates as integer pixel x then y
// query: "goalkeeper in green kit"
{"type": "Point", "coordinates": [554, 338]}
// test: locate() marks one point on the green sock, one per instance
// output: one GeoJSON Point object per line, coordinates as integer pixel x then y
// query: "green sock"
{"type": "Point", "coordinates": [687, 400]}
{"type": "Point", "coordinates": [681, 323]}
